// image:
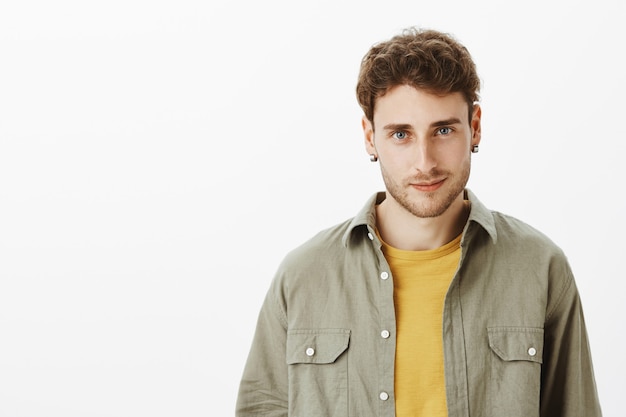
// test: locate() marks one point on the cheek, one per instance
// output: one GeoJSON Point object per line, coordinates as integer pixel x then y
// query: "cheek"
{"type": "Point", "coordinates": [455, 153]}
{"type": "Point", "coordinates": [396, 161]}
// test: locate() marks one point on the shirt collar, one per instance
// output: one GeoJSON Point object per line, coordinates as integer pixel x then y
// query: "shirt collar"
{"type": "Point", "coordinates": [366, 217]}
{"type": "Point", "coordinates": [481, 215]}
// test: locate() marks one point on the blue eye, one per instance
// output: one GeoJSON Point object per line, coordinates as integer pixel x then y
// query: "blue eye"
{"type": "Point", "coordinates": [400, 135]}
{"type": "Point", "coordinates": [445, 131]}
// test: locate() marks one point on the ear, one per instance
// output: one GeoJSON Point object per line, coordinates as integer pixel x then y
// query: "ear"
{"type": "Point", "coordinates": [368, 132]}
{"type": "Point", "coordinates": [475, 124]}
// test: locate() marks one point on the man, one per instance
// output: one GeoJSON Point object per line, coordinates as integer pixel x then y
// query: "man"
{"type": "Point", "coordinates": [425, 303]}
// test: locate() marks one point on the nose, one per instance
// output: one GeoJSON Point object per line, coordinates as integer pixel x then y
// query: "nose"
{"type": "Point", "coordinates": [424, 156]}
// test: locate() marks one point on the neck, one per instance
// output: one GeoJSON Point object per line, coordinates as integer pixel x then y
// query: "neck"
{"type": "Point", "coordinates": [403, 230]}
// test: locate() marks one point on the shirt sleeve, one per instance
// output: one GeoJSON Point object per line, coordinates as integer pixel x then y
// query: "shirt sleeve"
{"type": "Point", "coordinates": [264, 386]}
{"type": "Point", "coordinates": [568, 383]}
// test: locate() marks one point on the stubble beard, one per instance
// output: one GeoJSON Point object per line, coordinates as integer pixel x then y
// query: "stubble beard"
{"type": "Point", "coordinates": [431, 204]}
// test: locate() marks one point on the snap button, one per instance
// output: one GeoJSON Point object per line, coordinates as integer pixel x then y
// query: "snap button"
{"type": "Point", "coordinates": [383, 396]}
{"type": "Point", "coordinates": [384, 275]}
{"type": "Point", "coordinates": [384, 334]}
{"type": "Point", "coordinates": [370, 235]}
{"type": "Point", "coordinates": [532, 351]}
{"type": "Point", "coordinates": [310, 352]}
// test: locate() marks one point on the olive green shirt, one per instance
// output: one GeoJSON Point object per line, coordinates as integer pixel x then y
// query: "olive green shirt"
{"type": "Point", "coordinates": [514, 335]}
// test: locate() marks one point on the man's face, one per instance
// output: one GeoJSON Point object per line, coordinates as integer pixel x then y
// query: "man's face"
{"type": "Point", "coordinates": [423, 142]}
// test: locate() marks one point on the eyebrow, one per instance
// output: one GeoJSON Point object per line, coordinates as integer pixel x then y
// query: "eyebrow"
{"type": "Point", "coordinates": [398, 126]}
{"type": "Point", "coordinates": [447, 122]}
{"type": "Point", "coordinates": [406, 126]}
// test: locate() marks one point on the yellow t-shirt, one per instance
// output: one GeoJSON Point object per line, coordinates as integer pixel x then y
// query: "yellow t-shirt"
{"type": "Point", "coordinates": [421, 280]}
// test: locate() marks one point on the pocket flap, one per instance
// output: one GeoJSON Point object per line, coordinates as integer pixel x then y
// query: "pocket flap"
{"type": "Point", "coordinates": [316, 345]}
{"type": "Point", "coordinates": [517, 343]}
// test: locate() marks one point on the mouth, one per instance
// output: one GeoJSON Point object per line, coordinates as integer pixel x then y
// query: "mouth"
{"type": "Point", "coordinates": [428, 186]}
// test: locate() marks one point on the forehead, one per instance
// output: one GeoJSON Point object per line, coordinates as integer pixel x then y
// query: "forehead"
{"type": "Point", "coordinates": [406, 104]}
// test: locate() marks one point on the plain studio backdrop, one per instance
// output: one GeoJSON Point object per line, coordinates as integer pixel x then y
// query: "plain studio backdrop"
{"type": "Point", "coordinates": [159, 158]}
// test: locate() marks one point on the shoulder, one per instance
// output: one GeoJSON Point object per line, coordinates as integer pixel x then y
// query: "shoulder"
{"type": "Point", "coordinates": [523, 250]}
{"type": "Point", "coordinates": [325, 245]}
{"type": "Point", "coordinates": [313, 269]}
{"type": "Point", "coordinates": [514, 232]}
{"type": "Point", "coordinates": [507, 233]}
{"type": "Point", "coordinates": [512, 245]}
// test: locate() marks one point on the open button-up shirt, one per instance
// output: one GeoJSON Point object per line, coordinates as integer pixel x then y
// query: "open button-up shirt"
{"type": "Point", "coordinates": [513, 330]}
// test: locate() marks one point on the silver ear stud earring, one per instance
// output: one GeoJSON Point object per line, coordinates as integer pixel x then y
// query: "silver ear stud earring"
{"type": "Point", "coordinates": [373, 157]}
{"type": "Point", "coordinates": [475, 149]}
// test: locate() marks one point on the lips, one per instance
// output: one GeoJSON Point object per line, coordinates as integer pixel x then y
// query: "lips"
{"type": "Point", "coordinates": [428, 186]}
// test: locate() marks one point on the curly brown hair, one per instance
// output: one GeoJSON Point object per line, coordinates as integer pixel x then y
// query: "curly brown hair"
{"type": "Point", "coordinates": [424, 59]}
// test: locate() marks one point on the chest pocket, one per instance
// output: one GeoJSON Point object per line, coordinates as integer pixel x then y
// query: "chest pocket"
{"type": "Point", "coordinates": [515, 371]}
{"type": "Point", "coordinates": [517, 343]}
{"type": "Point", "coordinates": [318, 372]}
